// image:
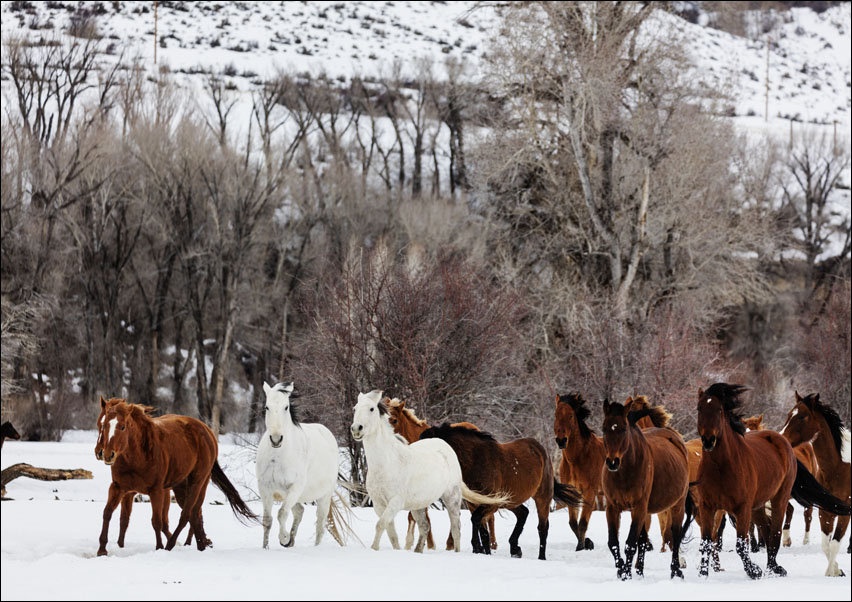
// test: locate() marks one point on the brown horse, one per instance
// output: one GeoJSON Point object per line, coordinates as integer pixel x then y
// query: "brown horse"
{"type": "Point", "coordinates": [151, 456]}
{"type": "Point", "coordinates": [812, 420]}
{"type": "Point", "coordinates": [739, 472]}
{"type": "Point", "coordinates": [645, 472]}
{"type": "Point", "coordinates": [406, 423]}
{"type": "Point", "coordinates": [582, 459]}
{"type": "Point", "coordinates": [127, 500]}
{"type": "Point", "coordinates": [520, 469]}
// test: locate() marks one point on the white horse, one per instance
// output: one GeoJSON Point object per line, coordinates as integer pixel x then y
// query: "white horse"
{"type": "Point", "coordinates": [409, 477]}
{"type": "Point", "coordinates": [296, 463]}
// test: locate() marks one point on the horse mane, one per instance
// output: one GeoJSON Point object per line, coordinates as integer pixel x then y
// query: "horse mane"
{"type": "Point", "coordinates": [142, 415]}
{"type": "Point", "coordinates": [396, 403]}
{"type": "Point", "coordinates": [658, 415]}
{"type": "Point", "coordinates": [383, 409]}
{"type": "Point", "coordinates": [835, 423]}
{"type": "Point", "coordinates": [581, 411]}
{"type": "Point", "coordinates": [447, 430]}
{"type": "Point", "coordinates": [729, 395]}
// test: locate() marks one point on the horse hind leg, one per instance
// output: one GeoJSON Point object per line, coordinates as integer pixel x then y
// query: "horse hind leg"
{"type": "Point", "coordinates": [785, 532]}
{"type": "Point", "coordinates": [409, 533]}
{"type": "Point", "coordinates": [543, 510]}
{"type": "Point", "coordinates": [423, 526]}
{"type": "Point", "coordinates": [521, 513]}
{"type": "Point", "coordinates": [808, 514]}
{"type": "Point", "coordinates": [479, 546]}
{"type": "Point", "coordinates": [323, 506]}
{"type": "Point", "coordinates": [124, 521]}
{"type": "Point", "coordinates": [491, 532]}
{"type": "Point", "coordinates": [772, 535]}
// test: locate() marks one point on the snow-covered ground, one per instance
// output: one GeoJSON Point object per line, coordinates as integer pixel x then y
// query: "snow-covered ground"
{"type": "Point", "coordinates": [50, 533]}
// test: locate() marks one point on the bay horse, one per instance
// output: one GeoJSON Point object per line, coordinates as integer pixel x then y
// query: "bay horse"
{"type": "Point", "coordinates": [7, 431]}
{"type": "Point", "coordinates": [521, 469]}
{"type": "Point", "coordinates": [152, 455]}
{"type": "Point", "coordinates": [645, 472]}
{"type": "Point", "coordinates": [739, 472]}
{"type": "Point", "coordinates": [406, 423]}
{"type": "Point", "coordinates": [127, 500]}
{"type": "Point", "coordinates": [816, 421]}
{"type": "Point", "coordinates": [296, 463]}
{"type": "Point", "coordinates": [403, 476]}
{"type": "Point", "coordinates": [582, 458]}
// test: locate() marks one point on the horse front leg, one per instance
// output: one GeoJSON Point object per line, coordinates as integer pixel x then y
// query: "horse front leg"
{"type": "Point", "coordinates": [298, 512]}
{"type": "Point", "coordinates": [583, 542]}
{"type": "Point", "coordinates": [521, 513]}
{"type": "Point", "coordinates": [808, 514]}
{"type": "Point", "coordinates": [638, 533]}
{"type": "Point", "coordinates": [157, 496]}
{"type": "Point", "coordinates": [613, 521]}
{"type": "Point", "coordinates": [124, 520]}
{"type": "Point", "coordinates": [785, 532]}
{"type": "Point", "coordinates": [831, 542]}
{"type": "Point", "coordinates": [323, 507]}
{"type": "Point", "coordinates": [393, 507]}
{"type": "Point", "coordinates": [706, 518]}
{"type": "Point", "coordinates": [266, 520]}
{"type": "Point", "coordinates": [113, 499]}
{"type": "Point", "coordinates": [741, 515]}
{"type": "Point", "coordinates": [772, 535]}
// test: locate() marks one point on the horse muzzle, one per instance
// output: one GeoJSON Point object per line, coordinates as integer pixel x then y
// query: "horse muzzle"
{"type": "Point", "coordinates": [274, 443]}
{"type": "Point", "coordinates": [708, 443]}
{"type": "Point", "coordinates": [561, 442]}
{"type": "Point", "coordinates": [357, 432]}
{"type": "Point", "coordinates": [613, 464]}
{"type": "Point", "coordinates": [109, 461]}
{"type": "Point", "coordinates": [99, 455]}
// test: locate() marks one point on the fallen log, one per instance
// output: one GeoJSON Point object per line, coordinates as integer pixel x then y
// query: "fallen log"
{"type": "Point", "coordinates": [42, 474]}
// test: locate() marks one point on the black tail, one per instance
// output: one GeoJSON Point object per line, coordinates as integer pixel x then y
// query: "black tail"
{"type": "Point", "coordinates": [566, 494]}
{"type": "Point", "coordinates": [808, 492]}
{"type": "Point", "coordinates": [689, 514]}
{"type": "Point", "coordinates": [241, 511]}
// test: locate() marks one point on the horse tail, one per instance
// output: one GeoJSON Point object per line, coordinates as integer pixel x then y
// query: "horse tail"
{"type": "Point", "coordinates": [808, 492]}
{"type": "Point", "coordinates": [689, 514]}
{"type": "Point", "coordinates": [567, 494]}
{"type": "Point", "coordinates": [238, 506]}
{"type": "Point", "coordinates": [483, 500]}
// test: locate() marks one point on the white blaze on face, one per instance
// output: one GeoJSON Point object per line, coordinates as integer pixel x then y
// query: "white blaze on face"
{"type": "Point", "coordinates": [786, 424]}
{"type": "Point", "coordinates": [112, 425]}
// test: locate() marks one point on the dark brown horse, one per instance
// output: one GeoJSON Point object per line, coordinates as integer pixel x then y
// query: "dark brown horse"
{"type": "Point", "coordinates": [151, 456]}
{"type": "Point", "coordinates": [7, 431]}
{"type": "Point", "coordinates": [645, 472]}
{"type": "Point", "coordinates": [406, 423]}
{"type": "Point", "coordinates": [520, 469]}
{"type": "Point", "coordinates": [739, 472]}
{"type": "Point", "coordinates": [813, 420]}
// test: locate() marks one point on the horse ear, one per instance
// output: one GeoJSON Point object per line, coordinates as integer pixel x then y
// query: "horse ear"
{"type": "Point", "coordinates": [266, 388]}
{"type": "Point", "coordinates": [798, 397]}
{"type": "Point", "coordinates": [401, 404]}
{"type": "Point", "coordinates": [557, 399]}
{"type": "Point", "coordinates": [288, 388]}
{"type": "Point", "coordinates": [103, 403]}
{"type": "Point", "coordinates": [700, 393]}
{"type": "Point", "coordinates": [606, 405]}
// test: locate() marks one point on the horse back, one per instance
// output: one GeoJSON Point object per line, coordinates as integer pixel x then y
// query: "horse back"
{"type": "Point", "coordinates": [187, 444]}
{"type": "Point", "coordinates": [524, 469]}
{"type": "Point", "coordinates": [774, 463]}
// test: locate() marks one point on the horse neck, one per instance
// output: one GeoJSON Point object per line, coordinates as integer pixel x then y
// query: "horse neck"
{"type": "Point", "coordinates": [578, 447]}
{"type": "Point", "coordinates": [728, 447]}
{"type": "Point", "coordinates": [824, 448]}
{"type": "Point", "coordinates": [637, 447]}
{"type": "Point", "coordinates": [414, 428]}
{"type": "Point", "coordinates": [141, 439]}
{"type": "Point", "coordinates": [382, 448]}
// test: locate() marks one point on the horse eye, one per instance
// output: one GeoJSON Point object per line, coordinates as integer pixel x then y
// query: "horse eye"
{"type": "Point", "coordinates": [286, 408]}
{"type": "Point", "coordinates": [266, 408]}
{"type": "Point", "coordinates": [123, 427]}
{"type": "Point", "coordinates": [371, 409]}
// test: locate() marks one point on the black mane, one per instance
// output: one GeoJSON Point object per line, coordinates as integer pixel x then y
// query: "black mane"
{"type": "Point", "coordinates": [294, 412]}
{"type": "Point", "coordinates": [729, 395]}
{"type": "Point", "coordinates": [835, 423]}
{"type": "Point", "coordinates": [581, 411]}
{"type": "Point", "coordinates": [447, 430]}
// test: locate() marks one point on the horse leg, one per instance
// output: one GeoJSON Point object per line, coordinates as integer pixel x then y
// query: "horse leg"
{"type": "Point", "coordinates": [393, 507]}
{"type": "Point", "coordinates": [785, 532]}
{"type": "Point", "coordinates": [648, 543]}
{"type": "Point", "coordinates": [126, 509]}
{"type": "Point", "coordinates": [156, 496]}
{"type": "Point", "coordinates": [631, 546]}
{"type": "Point", "coordinates": [409, 533]}
{"type": "Point", "coordinates": [706, 517]}
{"type": "Point", "coordinates": [742, 519]}
{"type": "Point", "coordinates": [665, 530]}
{"type": "Point", "coordinates": [808, 514]}
{"type": "Point", "coordinates": [719, 521]}
{"type": "Point", "coordinates": [380, 527]}
{"type": "Point", "coordinates": [574, 525]}
{"type": "Point", "coordinates": [772, 535]}
{"type": "Point", "coordinates": [323, 506]}
{"type": "Point", "coordinates": [196, 522]}
{"type": "Point", "coordinates": [675, 516]}
{"type": "Point", "coordinates": [476, 514]}
{"type": "Point", "coordinates": [452, 502]}
{"type": "Point", "coordinates": [283, 513]}
{"type": "Point", "coordinates": [583, 542]}
{"type": "Point", "coordinates": [834, 545]}
{"type": "Point", "coordinates": [831, 544]}
{"type": "Point", "coordinates": [640, 551]}
{"type": "Point", "coordinates": [266, 520]}
{"type": "Point", "coordinates": [430, 541]}
{"type": "Point", "coordinates": [521, 513]}
{"type": "Point", "coordinates": [194, 490]}
{"type": "Point", "coordinates": [423, 526]}
{"type": "Point", "coordinates": [113, 499]}
{"type": "Point", "coordinates": [543, 509]}
{"type": "Point", "coordinates": [613, 520]}
{"type": "Point", "coordinates": [491, 533]}
{"type": "Point", "coordinates": [298, 512]}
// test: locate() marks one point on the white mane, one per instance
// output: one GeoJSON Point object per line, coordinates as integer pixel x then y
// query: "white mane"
{"type": "Point", "coordinates": [846, 447]}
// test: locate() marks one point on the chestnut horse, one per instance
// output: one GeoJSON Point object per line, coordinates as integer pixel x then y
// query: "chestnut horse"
{"type": "Point", "coordinates": [127, 500]}
{"type": "Point", "coordinates": [520, 469]}
{"type": "Point", "coordinates": [151, 456]}
{"type": "Point", "coordinates": [406, 423]}
{"type": "Point", "coordinates": [645, 472]}
{"type": "Point", "coordinates": [739, 472]}
{"type": "Point", "coordinates": [813, 420]}
{"type": "Point", "coordinates": [582, 458]}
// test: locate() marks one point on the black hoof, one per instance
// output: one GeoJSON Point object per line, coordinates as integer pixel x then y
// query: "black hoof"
{"type": "Point", "coordinates": [590, 545]}
{"type": "Point", "coordinates": [677, 573]}
{"type": "Point", "coordinates": [649, 546]}
{"type": "Point", "coordinates": [624, 575]}
{"type": "Point", "coordinates": [755, 573]}
{"type": "Point", "coordinates": [516, 552]}
{"type": "Point", "coordinates": [778, 570]}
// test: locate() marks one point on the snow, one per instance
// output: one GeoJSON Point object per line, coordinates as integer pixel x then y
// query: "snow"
{"type": "Point", "coordinates": [50, 531]}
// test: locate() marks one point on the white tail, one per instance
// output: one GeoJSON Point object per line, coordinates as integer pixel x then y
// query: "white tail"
{"type": "Point", "coordinates": [483, 500]}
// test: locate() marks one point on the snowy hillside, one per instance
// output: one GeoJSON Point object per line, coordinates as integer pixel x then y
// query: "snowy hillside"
{"type": "Point", "coordinates": [50, 534]}
{"type": "Point", "coordinates": [809, 59]}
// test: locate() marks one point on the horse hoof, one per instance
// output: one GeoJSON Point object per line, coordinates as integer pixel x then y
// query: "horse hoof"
{"type": "Point", "coordinates": [649, 547]}
{"type": "Point", "coordinates": [102, 552]}
{"type": "Point", "coordinates": [755, 574]}
{"type": "Point", "coordinates": [589, 544]}
{"type": "Point", "coordinates": [677, 573]}
{"type": "Point", "coordinates": [516, 553]}
{"type": "Point", "coordinates": [779, 570]}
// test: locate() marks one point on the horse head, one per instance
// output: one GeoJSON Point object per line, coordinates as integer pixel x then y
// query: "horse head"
{"type": "Point", "coordinates": [368, 412]}
{"type": "Point", "coordinates": [105, 403]}
{"type": "Point", "coordinates": [616, 434]}
{"type": "Point", "coordinates": [570, 419]}
{"type": "Point", "coordinates": [802, 423]}
{"type": "Point", "coordinates": [717, 405]}
{"type": "Point", "coordinates": [754, 423]}
{"type": "Point", "coordinates": [279, 412]}
{"type": "Point", "coordinates": [119, 424]}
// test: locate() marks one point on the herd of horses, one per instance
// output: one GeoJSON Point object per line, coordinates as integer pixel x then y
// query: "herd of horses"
{"type": "Point", "coordinates": [735, 470]}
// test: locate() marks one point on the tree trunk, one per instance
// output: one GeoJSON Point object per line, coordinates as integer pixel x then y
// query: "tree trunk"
{"type": "Point", "coordinates": [42, 474]}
